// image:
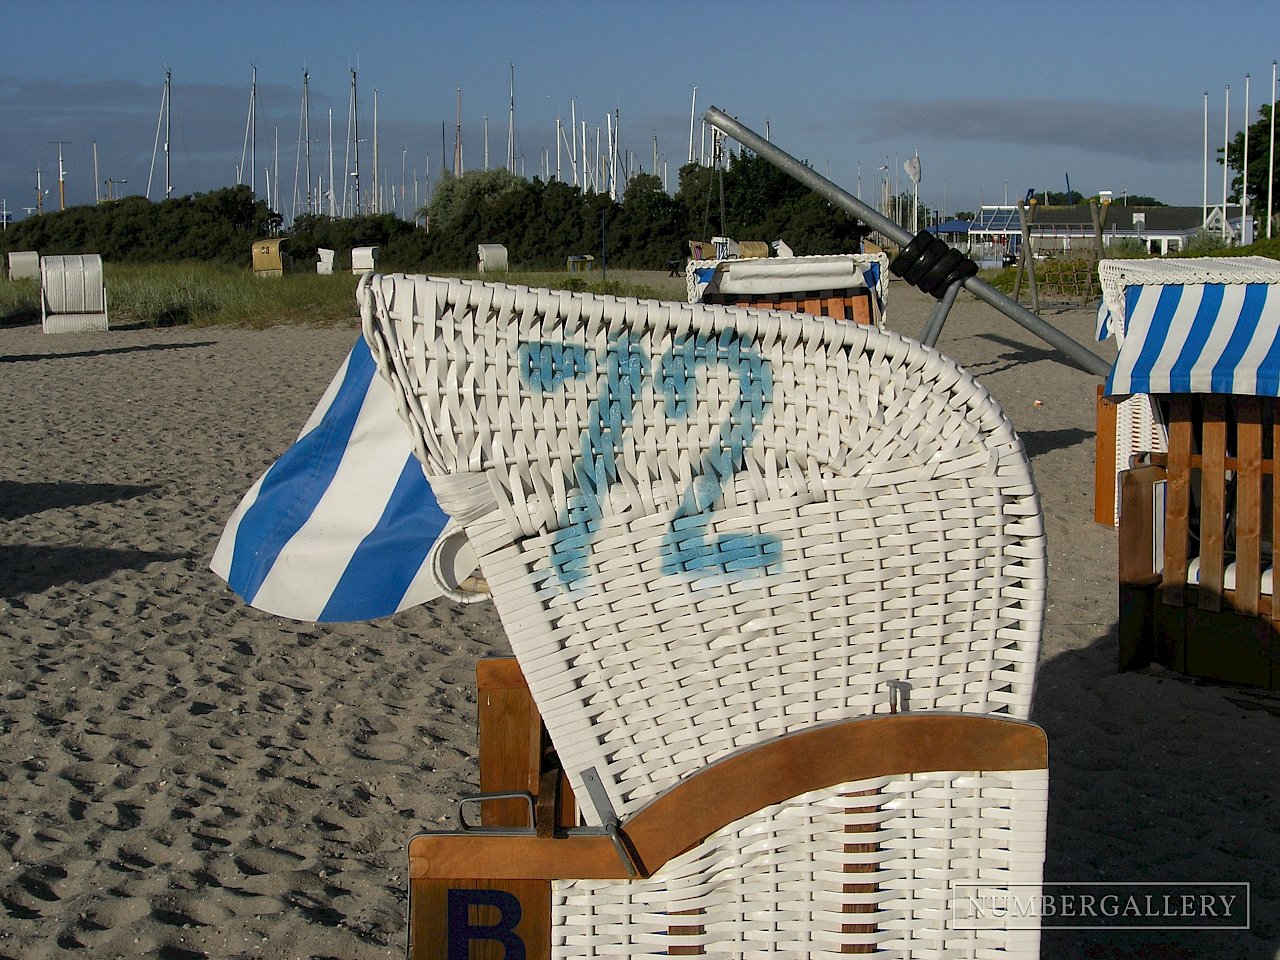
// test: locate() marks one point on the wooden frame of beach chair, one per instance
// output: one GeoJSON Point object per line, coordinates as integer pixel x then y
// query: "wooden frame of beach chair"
{"type": "Point", "coordinates": [1197, 523]}
{"type": "Point", "coordinates": [811, 838]}
{"type": "Point", "coordinates": [1196, 529]}
{"type": "Point", "coordinates": [707, 530]}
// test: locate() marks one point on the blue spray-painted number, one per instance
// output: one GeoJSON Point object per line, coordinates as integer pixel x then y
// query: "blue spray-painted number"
{"type": "Point", "coordinates": [687, 548]}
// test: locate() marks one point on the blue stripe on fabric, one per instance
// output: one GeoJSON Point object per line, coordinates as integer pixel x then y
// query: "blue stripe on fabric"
{"type": "Point", "coordinates": [1269, 368]}
{"type": "Point", "coordinates": [1140, 375]}
{"type": "Point", "coordinates": [391, 554]}
{"type": "Point", "coordinates": [1201, 329]}
{"type": "Point", "coordinates": [1222, 379]}
{"type": "Point", "coordinates": [297, 481]}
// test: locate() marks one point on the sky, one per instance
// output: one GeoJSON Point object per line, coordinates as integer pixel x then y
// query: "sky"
{"type": "Point", "coordinates": [997, 98]}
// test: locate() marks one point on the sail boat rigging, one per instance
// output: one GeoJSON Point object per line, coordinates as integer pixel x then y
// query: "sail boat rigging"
{"type": "Point", "coordinates": [162, 120]}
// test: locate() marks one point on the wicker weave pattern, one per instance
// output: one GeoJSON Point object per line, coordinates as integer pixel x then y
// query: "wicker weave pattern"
{"type": "Point", "coordinates": [705, 526]}
{"type": "Point", "coordinates": [772, 882]}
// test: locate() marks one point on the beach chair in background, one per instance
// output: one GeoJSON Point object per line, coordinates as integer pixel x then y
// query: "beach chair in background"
{"type": "Point", "coordinates": [1198, 514]}
{"type": "Point", "coordinates": [491, 258]}
{"type": "Point", "coordinates": [846, 286]}
{"type": "Point", "coordinates": [73, 297]}
{"type": "Point", "coordinates": [24, 265]}
{"type": "Point", "coordinates": [324, 262]}
{"type": "Point", "coordinates": [269, 258]}
{"type": "Point", "coordinates": [363, 259]}
{"type": "Point", "coordinates": [775, 587]}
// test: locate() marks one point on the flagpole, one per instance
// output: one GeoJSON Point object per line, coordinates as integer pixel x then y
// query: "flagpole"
{"type": "Point", "coordinates": [1271, 161]}
{"type": "Point", "coordinates": [915, 196]}
{"type": "Point", "coordinates": [1244, 177]}
{"type": "Point", "coordinates": [1204, 201]}
{"type": "Point", "coordinates": [1226, 128]}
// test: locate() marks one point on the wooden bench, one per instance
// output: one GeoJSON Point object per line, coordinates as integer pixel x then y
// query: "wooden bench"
{"type": "Point", "coordinates": [1195, 545]}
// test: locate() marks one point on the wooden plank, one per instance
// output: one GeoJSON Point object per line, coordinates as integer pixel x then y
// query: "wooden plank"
{"type": "Point", "coordinates": [1248, 526]}
{"type": "Point", "coordinates": [1135, 541]}
{"type": "Point", "coordinates": [741, 784]}
{"type": "Point", "coordinates": [475, 918]}
{"type": "Point", "coordinates": [510, 741]}
{"type": "Point", "coordinates": [1213, 515]}
{"type": "Point", "coordinates": [861, 307]}
{"type": "Point", "coordinates": [515, 754]}
{"type": "Point", "coordinates": [812, 306]}
{"type": "Point", "coordinates": [1269, 412]}
{"type": "Point", "coordinates": [1177, 502]}
{"type": "Point", "coordinates": [1104, 462]}
{"type": "Point", "coordinates": [1232, 463]}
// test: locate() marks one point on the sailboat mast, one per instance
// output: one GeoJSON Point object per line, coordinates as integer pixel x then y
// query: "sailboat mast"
{"type": "Point", "coordinates": [355, 125]}
{"type": "Point", "coordinates": [333, 212]}
{"type": "Point", "coordinates": [693, 109]}
{"type": "Point", "coordinates": [457, 136]}
{"type": "Point", "coordinates": [306, 132]}
{"type": "Point", "coordinates": [253, 130]}
{"type": "Point", "coordinates": [511, 125]}
{"type": "Point", "coordinates": [376, 206]}
{"type": "Point", "coordinates": [168, 129]}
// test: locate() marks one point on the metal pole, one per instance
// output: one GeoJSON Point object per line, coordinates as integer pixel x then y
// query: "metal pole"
{"type": "Point", "coordinates": [1226, 133]}
{"type": "Point", "coordinates": [1078, 354]}
{"type": "Point", "coordinates": [933, 326]}
{"type": "Point", "coordinates": [1244, 163]}
{"type": "Point", "coordinates": [1271, 154]}
{"type": "Point", "coordinates": [1204, 201]}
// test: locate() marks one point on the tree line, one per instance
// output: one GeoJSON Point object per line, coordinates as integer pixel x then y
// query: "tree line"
{"type": "Point", "coordinates": [540, 223]}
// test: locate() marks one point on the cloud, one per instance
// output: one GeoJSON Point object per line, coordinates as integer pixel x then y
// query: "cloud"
{"type": "Point", "coordinates": [1133, 131]}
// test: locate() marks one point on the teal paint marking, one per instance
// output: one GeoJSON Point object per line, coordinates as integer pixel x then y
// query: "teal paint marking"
{"type": "Point", "coordinates": [687, 547]}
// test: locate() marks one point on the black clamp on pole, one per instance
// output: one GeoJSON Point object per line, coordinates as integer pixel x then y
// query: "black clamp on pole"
{"type": "Point", "coordinates": [931, 265]}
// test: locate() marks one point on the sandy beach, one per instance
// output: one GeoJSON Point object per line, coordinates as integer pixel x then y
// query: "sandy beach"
{"type": "Point", "coordinates": [186, 777]}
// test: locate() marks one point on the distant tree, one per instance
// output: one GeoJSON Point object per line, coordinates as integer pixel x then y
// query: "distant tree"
{"type": "Point", "coordinates": [650, 225]}
{"type": "Point", "coordinates": [219, 226]}
{"type": "Point", "coordinates": [965, 215]}
{"type": "Point", "coordinates": [455, 197]}
{"type": "Point", "coordinates": [1204, 243]}
{"type": "Point", "coordinates": [1259, 161]}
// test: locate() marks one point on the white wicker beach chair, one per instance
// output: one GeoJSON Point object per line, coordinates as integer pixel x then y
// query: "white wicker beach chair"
{"type": "Point", "coordinates": [708, 531]}
{"type": "Point", "coordinates": [73, 297]}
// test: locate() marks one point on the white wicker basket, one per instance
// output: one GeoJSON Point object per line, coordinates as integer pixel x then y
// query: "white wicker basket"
{"type": "Point", "coordinates": [704, 527]}
{"type": "Point", "coordinates": [897, 856]}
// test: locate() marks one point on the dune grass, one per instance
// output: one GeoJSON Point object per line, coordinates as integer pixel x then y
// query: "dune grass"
{"type": "Point", "coordinates": [206, 294]}
{"type": "Point", "coordinates": [202, 294]}
{"type": "Point", "coordinates": [19, 301]}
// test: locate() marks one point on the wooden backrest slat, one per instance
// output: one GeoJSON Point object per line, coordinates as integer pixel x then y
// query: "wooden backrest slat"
{"type": "Point", "coordinates": [1248, 524]}
{"type": "Point", "coordinates": [1269, 413]}
{"type": "Point", "coordinates": [1177, 502]}
{"type": "Point", "coordinates": [1213, 511]}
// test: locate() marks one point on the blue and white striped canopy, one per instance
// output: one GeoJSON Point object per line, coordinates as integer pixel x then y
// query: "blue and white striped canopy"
{"type": "Point", "coordinates": [1199, 338]}
{"type": "Point", "coordinates": [340, 527]}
